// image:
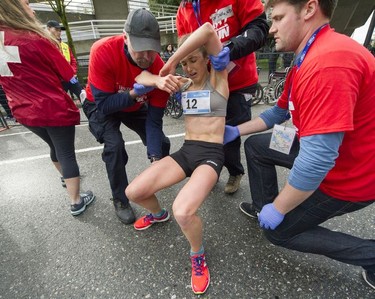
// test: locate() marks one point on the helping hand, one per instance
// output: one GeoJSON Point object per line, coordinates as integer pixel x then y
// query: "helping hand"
{"type": "Point", "coordinates": [220, 62]}
{"type": "Point", "coordinates": [230, 133]}
{"type": "Point", "coordinates": [269, 217]}
{"type": "Point", "coordinates": [140, 89]}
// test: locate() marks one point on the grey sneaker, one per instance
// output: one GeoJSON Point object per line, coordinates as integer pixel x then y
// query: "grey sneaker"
{"type": "Point", "coordinates": [233, 184]}
{"type": "Point", "coordinates": [369, 277]}
{"type": "Point", "coordinates": [86, 198]}
{"type": "Point", "coordinates": [249, 210]}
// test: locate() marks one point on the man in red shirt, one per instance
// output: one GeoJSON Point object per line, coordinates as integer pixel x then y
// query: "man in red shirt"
{"type": "Point", "coordinates": [332, 162]}
{"type": "Point", "coordinates": [114, 97]}
{"type": "Point", "coordinates": [242, 26]}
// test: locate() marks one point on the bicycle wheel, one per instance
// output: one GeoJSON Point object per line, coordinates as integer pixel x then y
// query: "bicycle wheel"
{"type": "Point", "coordinates": [279, 88]}
{"type": "Point", "coordinates": [168, 107]}
{"type": "Point", "coordinates": [174, 108]}
{"type": "Point", "coordinates": [268, 95]}
{"type": "Point", "coordinates": [177, 110]}
{"type": "Point", "coordinates": [258, 95]}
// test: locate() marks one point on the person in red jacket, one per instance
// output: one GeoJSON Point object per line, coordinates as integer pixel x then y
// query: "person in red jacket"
{"type": "Point", "coordinates": [31, 78]}
{"type": "Point", "coordinates": [242, 26]}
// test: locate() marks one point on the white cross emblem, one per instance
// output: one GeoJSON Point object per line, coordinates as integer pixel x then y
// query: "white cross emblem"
{"type": "Point", "coordinates": [7, 54]}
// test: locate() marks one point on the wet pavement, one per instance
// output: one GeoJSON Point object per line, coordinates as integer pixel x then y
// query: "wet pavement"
{"type": "Point", "coordinates": [47, 253]}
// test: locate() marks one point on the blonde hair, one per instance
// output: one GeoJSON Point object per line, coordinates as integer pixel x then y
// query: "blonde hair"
{"type": "Point", "coordinates": [13, 15]}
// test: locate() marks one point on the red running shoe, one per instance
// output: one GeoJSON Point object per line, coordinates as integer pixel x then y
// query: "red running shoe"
{"type": "Point", "coordinates": [148, 220]}
{"type": "Point", "coordinates": [200, 276]}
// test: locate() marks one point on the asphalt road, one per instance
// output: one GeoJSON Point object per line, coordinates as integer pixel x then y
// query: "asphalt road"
{"type": "Point", "coordinates": [47, 253]}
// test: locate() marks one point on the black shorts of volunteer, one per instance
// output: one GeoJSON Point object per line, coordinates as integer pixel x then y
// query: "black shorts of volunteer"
{"type": "Point", "coordinates": [195, 153]}
{"type": "Point", "coordinates": [61, 144]}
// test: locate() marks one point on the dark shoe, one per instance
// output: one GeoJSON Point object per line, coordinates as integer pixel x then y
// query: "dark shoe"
{"type": "Point", "coordinates": [124, 211]}
{"type": "Point", "coordinates": [249, 210]}
{"type": "Point", "coordinates": [86, 199]}
{"type": "Point", "coordinates": [369, 277]}
{"type": "Point", "coordinates": [233, 184]}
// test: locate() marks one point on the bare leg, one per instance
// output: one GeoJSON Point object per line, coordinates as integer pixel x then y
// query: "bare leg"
{"type": "Point", "coordinates": [143, 188]}
{"type": "Point", "coordinates": [188, 202]}
{"type": "Point", "coordinates": [72, 185]}
{"type": "Point", "coordinates": [151, 204]}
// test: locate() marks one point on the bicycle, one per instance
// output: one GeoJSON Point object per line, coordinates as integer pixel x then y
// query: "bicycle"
{"type": "Point", "coordinates": [173, 107]}
{"type": "Point", "coordinates": [257, 96]}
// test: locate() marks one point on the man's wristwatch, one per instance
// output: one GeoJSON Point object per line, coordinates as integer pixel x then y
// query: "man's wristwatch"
{"type": "Point", "coordinates": [153, 159]}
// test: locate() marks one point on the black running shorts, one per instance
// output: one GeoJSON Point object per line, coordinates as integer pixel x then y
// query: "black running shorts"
{"type": "Point", "coordinates": [195, 153]}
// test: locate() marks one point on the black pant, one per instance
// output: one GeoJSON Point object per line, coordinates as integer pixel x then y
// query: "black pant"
{"type": "Point", "coordinates": [238, 112]}
{"type": "Point", "coordinates": [272, 62]}
{"type": "Point", "coordinates": [300, 230]}
{"type": "Point", "coordinates": [4, 103]}
{"type": "Point", "coordinates": [61, 143]}
{"type": "Point", "coordinates": [106, 129]}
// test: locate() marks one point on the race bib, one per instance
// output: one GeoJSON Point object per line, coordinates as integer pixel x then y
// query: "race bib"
{"type": "Point", "coordinates": [196, 102]}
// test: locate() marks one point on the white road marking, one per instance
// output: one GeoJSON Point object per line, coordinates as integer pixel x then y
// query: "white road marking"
{"type": "Point", "coordinates": [83, 150]}
{"type": "Point", "coordinates": [29, 132]}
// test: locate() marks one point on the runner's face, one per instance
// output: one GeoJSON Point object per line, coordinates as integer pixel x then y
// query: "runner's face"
{"type": "Point", "coordinates": [144, 59]}
{"type": "Point", "coordinates": [286, 27]}
{"type": "Point", "coordinates": [27, 8]}
{"type": "Point", "coordinates": [195, 66]}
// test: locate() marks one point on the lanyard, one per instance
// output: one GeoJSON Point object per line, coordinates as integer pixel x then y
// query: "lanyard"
{"type": "Point", "coordinates": [197, 11]}
{"type": "Point", "coordinates": [300, 58]}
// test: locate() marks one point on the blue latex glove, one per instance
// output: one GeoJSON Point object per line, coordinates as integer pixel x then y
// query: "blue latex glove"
{"type": "Point", "coordinates": [177, 96]}
{"type": "Point", "coordinates": [220, 62]}
{"type": "Point", "coordinates": [230, 133]}
{"type": "Point", "coordinates": [269, 217]}
{"type": "Point", "coordinates": [140, 89]}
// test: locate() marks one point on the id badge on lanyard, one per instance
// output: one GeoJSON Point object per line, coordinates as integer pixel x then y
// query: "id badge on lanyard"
{"type": "Point", "coordinates": [282, 139]}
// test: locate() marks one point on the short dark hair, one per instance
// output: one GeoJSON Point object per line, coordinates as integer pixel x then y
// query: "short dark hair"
{"type": "Point", "coordinates": [327, 6]}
